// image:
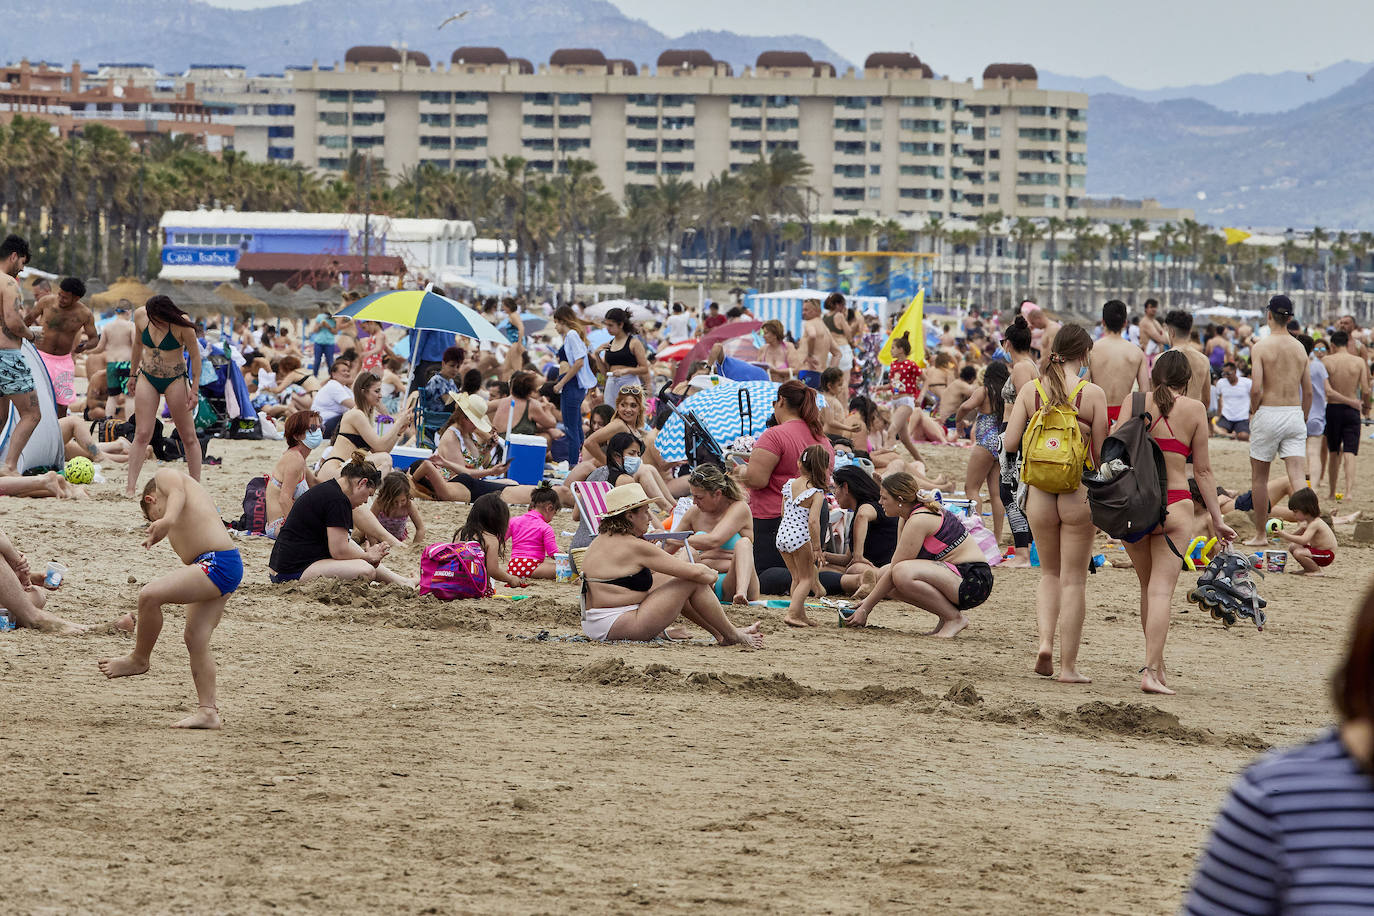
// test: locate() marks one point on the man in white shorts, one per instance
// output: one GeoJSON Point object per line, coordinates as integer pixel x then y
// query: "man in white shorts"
{"type": "Point", "coordinates": [1280, 395]}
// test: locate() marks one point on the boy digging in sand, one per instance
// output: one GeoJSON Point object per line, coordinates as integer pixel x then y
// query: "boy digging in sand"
{"type": "Point", "coordinates": [181, 511]}
{"type": "Point", "coordinates": [1313, 545]}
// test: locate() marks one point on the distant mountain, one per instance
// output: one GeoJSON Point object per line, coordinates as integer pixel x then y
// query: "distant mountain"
{"type": "Point", "coordinates": [1303, 167]}
{"type": "Point", "coordinates": [1249, 93]}
{"type": "Point", "coordinates": [172, 34]}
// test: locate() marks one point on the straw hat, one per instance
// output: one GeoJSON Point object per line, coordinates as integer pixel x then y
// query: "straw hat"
{"type": "Point", "coordinates": [625, 498]}
{"type": "Point", "coordinates": [473, 407]}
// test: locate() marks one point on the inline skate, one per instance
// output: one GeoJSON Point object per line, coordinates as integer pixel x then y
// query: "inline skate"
{"type": "Point", "coordinates": [1228, 592]}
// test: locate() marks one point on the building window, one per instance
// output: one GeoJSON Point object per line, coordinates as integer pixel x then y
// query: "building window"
{"type": "Point", "coordinates": [1037, 178]}
{"type": "Point", "coordinates": [281, 152]}
{"type": "Point", "coordinates": [1039, 134]}
{"type": "Point", "coordinates": [849, 124]}
{"type": "Point", "coordinates": [922, 101]}
{"type": "Point", "coordinates": [677, 146]}
{"type": "Point", "coordinates": [574, 120]}
{"type": "Point", "coordinates": [334, 96]}
{"type": "Point", "coordinates": [851, 102]}
{"type": "Point", "coordinates": [334, 118]}
{"type": "Point", "coordinates": [1075, 114]}
{"type": "Point", "coordinates": [436, 98]}
{"type": "Point", "coordinates": [783, 123]}
{"type": "Point", "coordinates": [431, 142]}
{"type": "Point", "coordinates": [334, 141]}
{"type": "Point", "coordinates": [469, 120]}
{"type": "Point", "coordinates": [368, 118]}
{"type": "Point", "coordinates": [470, 165]}
{"type": "Point", "coordinates": [642, 123]}
{"type": "Point", "coordinates": [1051, 156]}
{"type": "Point", "coordinates": [642, 144]}
{"type": "Point", "coordinates": [677, 168]}
{"type": "Point", "coordinates": [994, 199]}
{"type": "Point", "coordinates": [538, 98]}
{"type": "Point", "coordinates": [362, 98]}
{"type": "Point", "coordinates": [848, 193]}
{"type": "Point", "coordinates": [573, 98]}
{"type": "Point", "coordinates": [681, 122]}
{"type": "Point", "coordinates": [574, 142]}
{"type": "Point", "coordinates": [875, 147]}
{"type": "Point", "coordinates": [642, 168]}
{"type": "Point", "coordinates": [1077, 181]}
{"type": "Point", "coordinates": [281, 131]}
{"type": "Point", "coordinates": [782, 144]}
{"type": "Point", "coordinates": [1041, 201]}
{"type": "Point", "coordinates": [994, 154]}
{"type": "Point", "coordinates": [747, 101]}
{"type": "Point", "coordinates": [677, 101]}
{"type": "Point", "coordinates": [366, 142]}
{"type": "Point", "coordinates": [539, 121]}
{"type": "Point", "coordinates": [538, 143]}
{"type": "Point", "coordinates": [468, 98]}
{"type": "Point", "coordinates": [1078, 158]}
{"type": "Point", "coordinates": [642, 100]}
{"type": "Point", "coordinates": [330, 163]}
{"type": "Point", "coordinates": [1078, 136]}
{"type": "Point", "coordinates": [854, 148]}
{"type": "Point", "coordinates": [849, 171]}
{"type": "Point", "coordinates": [921, 125]}
{"type": "Point", "coordinates": [434, 119]}
{"type": "Point", "coordinates": [540, 165]}
{"type": "Point", "coordinates": [781, 101]}
{"type": "Point", "coordinates": [746, 123]}
{"type": "Point", "coordinates": [875, 193]}
{"type": "Point", "coordinates": [921, 149]}
{"type": "Point", "coordinates": [925, 171]}
{"type": "Point", "coordinates": [469, 142]}
{"type": "Point", "coordinates": [746, 146]}
{"type": "Point", "coordinates": [281, 110]}
{"type": "Point", "coordinates": [994, 132]}
{"type": "Point", "coordinates": [875, 170]}
{"type": "Point", "coordinates": [921, 193]}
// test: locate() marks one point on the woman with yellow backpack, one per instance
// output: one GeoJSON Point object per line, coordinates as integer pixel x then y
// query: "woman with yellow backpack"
{"type": "Point", "coordinates": [1060, 422]}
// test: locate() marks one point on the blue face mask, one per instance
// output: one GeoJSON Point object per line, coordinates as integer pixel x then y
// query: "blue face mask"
{"type": "Point", "coordinates": [314, 439]}
{"type": "Point", "coordinates": [843, 461]}
{"type": "Point", "coordinates": [1082, 371]}
{"type": "Point", "coordinates": [631, 464]}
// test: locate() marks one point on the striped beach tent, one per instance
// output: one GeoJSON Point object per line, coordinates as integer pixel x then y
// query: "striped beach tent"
{"type": "Point", "coordinates": [786, 306]}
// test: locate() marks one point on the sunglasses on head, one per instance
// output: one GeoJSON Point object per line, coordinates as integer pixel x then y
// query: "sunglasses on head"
{"type": "Point", "coordinates": [629, 389]}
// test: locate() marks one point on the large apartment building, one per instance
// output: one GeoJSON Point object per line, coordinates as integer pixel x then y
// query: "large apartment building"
{"type": "Point", "coordinates": [892, 140]}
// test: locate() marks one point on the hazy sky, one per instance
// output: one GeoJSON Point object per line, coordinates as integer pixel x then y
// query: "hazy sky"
{"type": "Point", "coordinates": [1162, 43]}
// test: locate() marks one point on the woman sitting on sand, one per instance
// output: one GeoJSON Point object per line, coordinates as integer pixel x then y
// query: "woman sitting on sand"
{"type": "Point", "coordinates": [291, 476]}
{"type": "Point", "coordinates": [723, 532]}
{"type": "Point", "coordinates": [358, 429]}
{"type": "Point", "coordinates": [872, 534]}
{"type": "Point", "coordinates": [632, 590]}
{"type": "Point", "coordinates": [465, 464]}
{"type": "Point", "coordinates": [316, 540]}
{"type": "Point", "coordinates": [936, 567]}
{"type": "Point", "coordinates": [629, 418]}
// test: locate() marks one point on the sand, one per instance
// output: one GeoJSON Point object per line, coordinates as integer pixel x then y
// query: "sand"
{"type": "Point", "coordinates": [385, 753]}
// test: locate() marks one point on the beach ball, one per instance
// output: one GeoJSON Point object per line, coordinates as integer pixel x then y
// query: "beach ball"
{"type": "Point", "coordinates": [79, 470]}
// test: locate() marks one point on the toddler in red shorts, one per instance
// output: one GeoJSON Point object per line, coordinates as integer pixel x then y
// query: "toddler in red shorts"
{"type": "Point", "coordinates": [532, 541]}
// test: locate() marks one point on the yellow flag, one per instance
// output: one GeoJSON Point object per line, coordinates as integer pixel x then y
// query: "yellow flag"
{"type": "Point", "coordinates": [913, 321]}
{"type": "Point", "coordinates": [1235, 236]}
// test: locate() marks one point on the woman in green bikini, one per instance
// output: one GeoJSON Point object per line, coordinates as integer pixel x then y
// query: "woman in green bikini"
{"type": "Point", "coordinates": [162, 338]}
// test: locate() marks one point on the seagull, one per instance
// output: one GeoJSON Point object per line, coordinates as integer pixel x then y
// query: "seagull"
{"type": "Point", "coordinates": [453, 18]}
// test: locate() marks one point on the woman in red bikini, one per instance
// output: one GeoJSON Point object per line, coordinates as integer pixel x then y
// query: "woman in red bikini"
{"type": "Point", "coordinates": [1179, 427]}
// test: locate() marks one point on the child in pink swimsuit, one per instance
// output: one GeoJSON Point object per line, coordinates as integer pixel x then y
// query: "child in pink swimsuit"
{"type": "Point", "coordinates": [532, 540]}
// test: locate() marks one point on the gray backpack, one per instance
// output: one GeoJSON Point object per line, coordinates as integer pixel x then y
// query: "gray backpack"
{"type": "Point", "coordinates": [1128, 494]}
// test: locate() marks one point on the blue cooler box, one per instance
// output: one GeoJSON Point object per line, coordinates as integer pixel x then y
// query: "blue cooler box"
{"type": "Point", "coordinates": [403, 456]}
{"type": "Point", "coordinates": [526, 458]}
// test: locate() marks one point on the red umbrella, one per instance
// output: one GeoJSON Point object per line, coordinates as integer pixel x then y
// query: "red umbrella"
{"type": "Point", "coordinates": [703, 347]}
{"type": "Point", "coordinates": [677, 351]}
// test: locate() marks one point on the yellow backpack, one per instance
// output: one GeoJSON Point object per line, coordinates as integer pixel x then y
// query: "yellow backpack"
{"type": "Point", "coordinates": [1053, 450]}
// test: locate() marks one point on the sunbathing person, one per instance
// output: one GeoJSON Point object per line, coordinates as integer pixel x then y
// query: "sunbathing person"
{"type": "Point", "coordinates": [723, 533]}
{"type": "Point", "coordinates": [20, 595]}
{"type": "Point", "coordinates": [632, 590]}
{"type": "Point", "coordinates": [358, 429]}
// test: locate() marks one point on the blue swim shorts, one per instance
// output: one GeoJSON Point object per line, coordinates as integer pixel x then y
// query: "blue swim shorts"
{"type": "Point", "coordinates": [223, 567]}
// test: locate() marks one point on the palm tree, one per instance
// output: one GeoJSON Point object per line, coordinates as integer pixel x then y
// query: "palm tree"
{"type": "Point", "coordinates": [965, 239]}
{"type": "Point", "coordinates": [1137, 226]}
{"type": "Point", "coordinates": [775, 182]}
{"type": "Point", "coordinates": [1053, 226]}
{"type": "Point", "coordinates": [986, 223]}
{"type": "Point", "coordinates": [676, 200]}
{"type": "Point", "coordinates": [1024, 231]}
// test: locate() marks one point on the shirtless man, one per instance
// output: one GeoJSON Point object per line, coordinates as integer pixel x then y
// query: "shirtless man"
{"type": "Point", "coordinates": [1280, 395]}
{"type": "Point", "coordinates": [1347, 400]}
{"type": "Point", "coordinates": [1043, 330]}
{"type": "Point", "coordinates": [1179, 324]}
{"type": "Point", "coordinates": [1153, 337]}
{"type": "Point", "coordinates": [178, 508]}
{"type": "Point", "coordinates": [841, 334]}
{"type": "Point", "coordinates": [1115, 364]}
{"type": "Point", "coordinates": [1347, 324]}
{"type": "Point", "coordinates": [65, 319]}
{"type": "Point", "coordinates": [117, 346]}
{"type": "Point", "coordinates": [16, 381]}
{"type": "Point", "coordinates": [816, 347]}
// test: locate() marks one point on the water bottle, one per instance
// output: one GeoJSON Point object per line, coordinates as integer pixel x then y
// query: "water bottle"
{"type": "Point", "coordinates": [1034, 555]}
{"type": "Point", "coordinates": [6, 623]}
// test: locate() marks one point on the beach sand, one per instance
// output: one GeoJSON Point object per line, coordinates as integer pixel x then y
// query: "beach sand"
{"type": "Point", "coordinates": [386, 753]}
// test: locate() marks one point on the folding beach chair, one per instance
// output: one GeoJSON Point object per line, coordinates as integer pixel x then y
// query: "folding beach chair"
{"type": "Point", "coordinates": [589, 496]}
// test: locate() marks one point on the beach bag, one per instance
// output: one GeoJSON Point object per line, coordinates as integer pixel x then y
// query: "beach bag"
{"type": "Point", "coordinates": [1128, 494]}
{"type": "Point", "coordinates": [457, 570]}
{"type": "Point", "coordinates": [254, 518]}
{"type": "Point", "coordinates": [1053, 450]}
{"type": "Point", "coordinates": [985, 539]}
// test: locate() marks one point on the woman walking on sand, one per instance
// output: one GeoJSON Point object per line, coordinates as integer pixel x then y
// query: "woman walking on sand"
{"type": "Point", "coordinates": [1062, 522]}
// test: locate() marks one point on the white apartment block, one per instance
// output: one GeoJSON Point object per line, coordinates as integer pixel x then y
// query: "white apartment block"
{"type": "Point", "coordinates": [891, 141]}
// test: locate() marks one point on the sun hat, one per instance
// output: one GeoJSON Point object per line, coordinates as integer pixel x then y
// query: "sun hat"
{"type": "Point", "coordinates": [625, 498]}
{"type": "Point", "coordinates": [473, 407]}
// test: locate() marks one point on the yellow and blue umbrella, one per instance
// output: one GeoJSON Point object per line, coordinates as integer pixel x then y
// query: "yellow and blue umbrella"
{"type": "Point", "coordinates": [416, 308]}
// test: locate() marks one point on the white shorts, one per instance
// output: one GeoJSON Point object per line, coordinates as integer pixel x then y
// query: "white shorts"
{"type": "Point", "coordinates": [597, 621]}
{"type": "Point", "coordinates": [905, 400]}
{"type": "Point", "coordinates": [845, 360]}
{"type": "Point", "coordinates": [1278, 432]}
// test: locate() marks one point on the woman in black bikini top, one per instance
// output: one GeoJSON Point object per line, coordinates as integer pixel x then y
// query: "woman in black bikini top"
{"type": "Point", "coordinates": [161, 373]}
{"type": "Point", "coordinates": [358, 429]}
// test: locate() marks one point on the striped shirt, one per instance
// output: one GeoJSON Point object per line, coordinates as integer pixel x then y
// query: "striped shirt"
{"type": "Point", "coordinates": [1296, 835]}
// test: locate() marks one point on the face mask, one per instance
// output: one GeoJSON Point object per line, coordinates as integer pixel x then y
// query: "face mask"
{"type": "Point", "coordinates": [314, 439]}
{"type": "Point", "coordinates": [843, 461]}
{"type": "Point", "coordinates": [631, 463]}
{"type": "Point", "coordinates": [1082, 371]}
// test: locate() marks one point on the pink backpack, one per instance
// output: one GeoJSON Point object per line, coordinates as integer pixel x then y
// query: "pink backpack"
{"type": "Point", "coordinates": [459, 570]}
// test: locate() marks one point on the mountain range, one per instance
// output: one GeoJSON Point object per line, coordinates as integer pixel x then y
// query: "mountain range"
{"type": "Point", "coordinates": [1256, 150]}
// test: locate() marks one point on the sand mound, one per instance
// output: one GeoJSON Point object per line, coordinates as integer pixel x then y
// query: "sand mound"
{"type": "Point", "coordinates": [389, 606]}
{"type": "Point", "coordinates": [613, 672]}
{"type": "Point", "coordinates": [1138, 719]}
{"type": "Point", "coordinates": [778, 686]}
{"type": "Point", "coordinates": [539, 609]}
{"type": "Point", "coordinates": [964, 693]}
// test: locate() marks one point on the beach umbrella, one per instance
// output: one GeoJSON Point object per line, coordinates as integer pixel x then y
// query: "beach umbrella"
{"type": "Point", "coordinates": [413, 308]}
{"type": "Point", "coordinates": [677, 351]}
{"type": "Point", "coordinates": [638, 312]}
{"type": "Point", "coordinates": [718, 410]}
{"type": "Point", "coordinates": [533, 323]}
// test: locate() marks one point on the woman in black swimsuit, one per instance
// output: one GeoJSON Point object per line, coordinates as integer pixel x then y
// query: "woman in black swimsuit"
{"type": "Point", "coordinates": [632, 590]}
{"type": "Point", "coordinates": [163, 336]}
{"type": "Point", "coordinates": [624, 356]}
{"type": "Point", "coordinates": [358, 430]}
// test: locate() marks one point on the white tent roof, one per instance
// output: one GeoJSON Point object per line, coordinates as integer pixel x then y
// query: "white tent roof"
{"type": "Point", "coordinates": [252, 219]}
{"type": "Point", "coordinates": [419, 230]}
